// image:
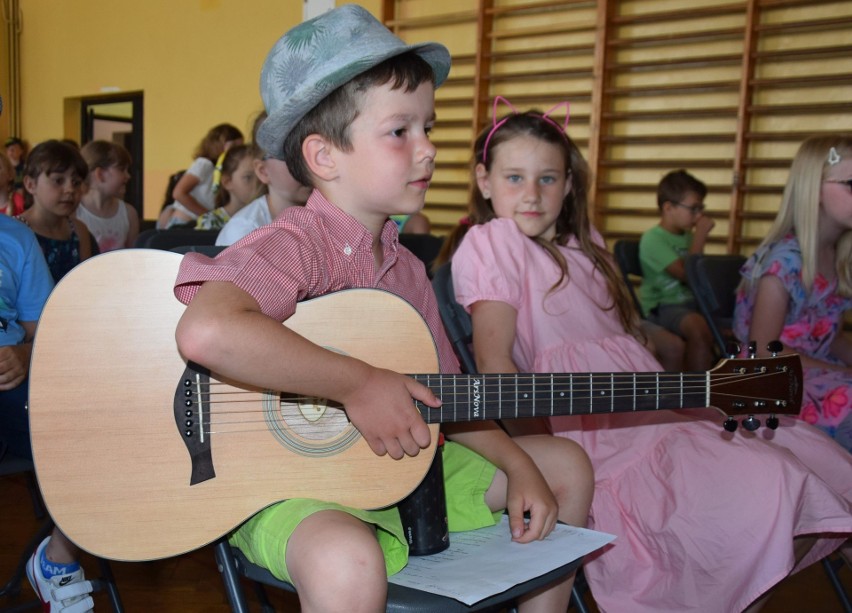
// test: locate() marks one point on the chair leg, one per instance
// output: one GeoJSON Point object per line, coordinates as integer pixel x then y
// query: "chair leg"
{"type": "Point", "coordinates": [107, 583]}
{"type": "Point", "coordinates": [13, 586]}
{"type": "Point", "coordinates": [230, 577]}
{"type": "Point", "coordinates": [831, 571]}
{"type": "Point", "coordinates": [35, 496]}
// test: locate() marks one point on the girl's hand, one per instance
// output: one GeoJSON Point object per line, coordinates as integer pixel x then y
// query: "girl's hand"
{"type": "Point", "coordinates": [383, 411]}
{"type": "Point", "coordinates": [528, 491]}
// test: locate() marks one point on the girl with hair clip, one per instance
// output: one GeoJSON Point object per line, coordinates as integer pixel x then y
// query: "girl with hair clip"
{"type": "Point", "coordinates": [194, 192]}
{"type": "Point", "coordinates": [798, 284]}
{"type": "Point", "coordinates": [113, 222]}
{"type": "Point", "coordinates": [238, 186]}
{"type": "Point", "coordinates": [54, 177]}
{"type": "Point", "coordinates": [705, 520]}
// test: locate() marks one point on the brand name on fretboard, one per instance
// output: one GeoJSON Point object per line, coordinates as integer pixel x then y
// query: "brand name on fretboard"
{"type": "Point", "coordinates": [477, 399]}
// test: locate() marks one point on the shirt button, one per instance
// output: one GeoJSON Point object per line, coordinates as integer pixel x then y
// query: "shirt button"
{"type": "Point", "coordinates": [347, 250]}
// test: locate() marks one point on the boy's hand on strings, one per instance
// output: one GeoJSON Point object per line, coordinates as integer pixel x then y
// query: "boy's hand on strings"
{"type": "Point", "coordinates": [528, 492]}
{"type": "Point", "coordinates": [382, 409]}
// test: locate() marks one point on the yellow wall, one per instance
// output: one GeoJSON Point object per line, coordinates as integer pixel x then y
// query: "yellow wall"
{"type": "Point", "coordinates": [197, 62]}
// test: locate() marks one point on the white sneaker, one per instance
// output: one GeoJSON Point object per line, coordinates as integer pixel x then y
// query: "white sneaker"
{"type": "Point", "coordinates": [61, 593]}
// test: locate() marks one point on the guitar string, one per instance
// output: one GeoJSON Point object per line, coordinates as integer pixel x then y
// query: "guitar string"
{"type": "Point", "coordinates": [449, 397]}
{"type": "Point", "coordinates": [579, 388]}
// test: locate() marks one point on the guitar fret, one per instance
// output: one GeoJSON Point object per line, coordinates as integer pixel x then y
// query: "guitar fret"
{"type": "Point", "coordinates": [455, 404]}
{"type": "Point", "coordinates": [500, 396]}
{"type": "Point", "coordinates": [591, 393]}
{"type": "Point", "coordinates": [707, 387]}
{"type": "Point", "coordinates": [611, 393]}
{"type": "Point", "coordinates": [571, 393]}
{"type": "Point", "coordinates": [681, 389]}
{"type": "Point", "coordinates": [516, 393]}
{"type": "Point", "coordinates": [634, 392]}
{"type": "Point", "coordinates": [551, 394]}
{"type": "Point", "coordinates": [533, 394]}
{"type": "Point", "coordinates": [657, 378]}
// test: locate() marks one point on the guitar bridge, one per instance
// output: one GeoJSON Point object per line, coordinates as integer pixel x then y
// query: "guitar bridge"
{"type": "Point", "coordinates": [192, 417]}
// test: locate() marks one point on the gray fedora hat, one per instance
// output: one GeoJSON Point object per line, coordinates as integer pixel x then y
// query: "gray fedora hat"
{"type": "Point", "coordinates": [316, 57]}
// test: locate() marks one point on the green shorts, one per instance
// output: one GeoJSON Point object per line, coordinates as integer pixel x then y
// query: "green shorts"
{"type": "Point", "coordinates": [467, 476]}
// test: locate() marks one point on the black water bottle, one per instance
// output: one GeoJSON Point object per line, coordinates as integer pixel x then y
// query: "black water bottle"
{"type": "Point", "coordinates": [424, 512]}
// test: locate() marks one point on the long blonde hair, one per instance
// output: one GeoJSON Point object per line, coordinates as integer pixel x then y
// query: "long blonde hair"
{"type": "Point", "coordinates": [800, 207]}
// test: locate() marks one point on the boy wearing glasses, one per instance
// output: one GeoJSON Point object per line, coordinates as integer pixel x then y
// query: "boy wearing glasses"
{"type": "Point", "coordinates": [666, 298]}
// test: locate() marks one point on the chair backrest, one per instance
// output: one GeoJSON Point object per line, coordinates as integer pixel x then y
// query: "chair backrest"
{"type": "Point", "coordinates": [425, 246]}
{"type": "Point", "coordinates": [208, 250]}
{"type": "Point", "coordinates": [175, 237]}
{"type": "Point", "coordinates": [456, 320]}
{"type": "Point", "coordinates": [626, 252]}
{"type": "Point", "coordinates": [713, 280]}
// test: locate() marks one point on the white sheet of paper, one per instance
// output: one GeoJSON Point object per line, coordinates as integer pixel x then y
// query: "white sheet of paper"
{"type": "Point", "coordinates": [481, 563]}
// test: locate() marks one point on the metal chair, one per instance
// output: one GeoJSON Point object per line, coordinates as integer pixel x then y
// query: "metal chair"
{"type": "Point", "coordinates": [233, 565]}
{"type": "Point", "coordinates": [626, 252]}
{"type": "Point", "coordinates": [713, 280]}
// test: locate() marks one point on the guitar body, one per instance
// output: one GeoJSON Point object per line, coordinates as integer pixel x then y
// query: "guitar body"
{"type": "Point", "coordinates": [112, 462]}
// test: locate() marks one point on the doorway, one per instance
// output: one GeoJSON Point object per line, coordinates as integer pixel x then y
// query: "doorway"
{"type": "Point", "coordinates": [117, 118]}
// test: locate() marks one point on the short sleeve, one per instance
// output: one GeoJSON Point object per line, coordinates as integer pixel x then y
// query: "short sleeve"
{"type": "Point", "coordinates": [489, 264]}
{"type": "Point", "coordinates": [783, 260]}
{"type": "Point", "coordinates": [36, 283]}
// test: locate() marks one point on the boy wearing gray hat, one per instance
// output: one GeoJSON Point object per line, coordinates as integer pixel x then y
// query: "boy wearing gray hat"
{"type": "Point", "coordinates": [350, 108]}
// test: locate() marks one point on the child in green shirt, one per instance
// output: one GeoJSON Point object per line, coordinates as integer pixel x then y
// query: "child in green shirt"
{"type": "Point", "coordinates": [666, 298]}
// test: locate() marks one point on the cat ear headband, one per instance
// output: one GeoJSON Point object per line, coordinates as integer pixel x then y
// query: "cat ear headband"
{"type": "Point", "coordinates": [497, 124]}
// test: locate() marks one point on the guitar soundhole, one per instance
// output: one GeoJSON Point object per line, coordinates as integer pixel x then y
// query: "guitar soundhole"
{"type": "Point", "coordinates": [308, 426]}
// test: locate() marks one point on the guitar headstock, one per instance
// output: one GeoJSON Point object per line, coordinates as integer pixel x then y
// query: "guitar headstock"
{"type": "Point", "coordinates": [757, 386]}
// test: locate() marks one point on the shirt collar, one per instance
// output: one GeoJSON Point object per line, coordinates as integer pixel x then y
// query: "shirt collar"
{"type": "Point", "coordinates": [347, 232]}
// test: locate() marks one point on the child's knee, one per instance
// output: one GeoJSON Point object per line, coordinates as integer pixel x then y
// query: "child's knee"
{"type": "Point", "coordinates": [329, 561]}
{"type": "Point", "coordinates": [573, 484]}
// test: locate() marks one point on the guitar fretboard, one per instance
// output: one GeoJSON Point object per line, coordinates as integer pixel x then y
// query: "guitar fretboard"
{"type": "Point", "coordinates": [507, 396]}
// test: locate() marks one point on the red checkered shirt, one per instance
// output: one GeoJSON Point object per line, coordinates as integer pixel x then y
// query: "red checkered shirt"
{"type": "Point", "coordinates": [311, 251]}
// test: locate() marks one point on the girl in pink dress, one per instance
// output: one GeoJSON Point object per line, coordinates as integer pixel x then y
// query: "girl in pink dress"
{"type": "Point", "coordinates": [705, 520]}
{"type": "Point", "coordinates": [798, 284]}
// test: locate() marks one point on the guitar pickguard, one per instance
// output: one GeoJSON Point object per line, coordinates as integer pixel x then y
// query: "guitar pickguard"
{"type": "Point", "coordinates": [192, 417]}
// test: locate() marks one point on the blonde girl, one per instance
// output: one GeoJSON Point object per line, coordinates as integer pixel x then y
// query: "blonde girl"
{"type": "Point", "coordinates": [544, 297]}
{"type": "Point", "coordinates": [798, 284]}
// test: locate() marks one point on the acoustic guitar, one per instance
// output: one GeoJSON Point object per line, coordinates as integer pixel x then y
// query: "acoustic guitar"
{"type": "Point", "coordinates": [140, 455]}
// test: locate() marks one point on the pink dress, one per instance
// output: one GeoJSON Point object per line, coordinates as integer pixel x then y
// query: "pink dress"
{"type": "Point", "coordinates": [704, 519]}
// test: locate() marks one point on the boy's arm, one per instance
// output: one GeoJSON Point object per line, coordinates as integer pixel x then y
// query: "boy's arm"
{"type": "Point", "coordinates": [224, 329]}
{"type": "Point", "coordinates": [700, 232]}
{"type": "Point", "coordinates": [494, 333]}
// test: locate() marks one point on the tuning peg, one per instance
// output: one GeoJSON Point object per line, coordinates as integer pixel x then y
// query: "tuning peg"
{"type": "Point", "coordinates": [752, 349]}
{"type": "Point", "coordinates": [751, 423]}
{"type": "Point", "coordinates": [775, 347]}
{"type": "Point", "coordinates": [772, 422]}
{"type": "Point", "coordinates": [730, 424]}
{"type": "Point", "coordinates": [732, 349]}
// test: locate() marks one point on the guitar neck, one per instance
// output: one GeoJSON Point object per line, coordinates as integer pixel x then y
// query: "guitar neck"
{"type": "Point", "coordinates": [510, 396]}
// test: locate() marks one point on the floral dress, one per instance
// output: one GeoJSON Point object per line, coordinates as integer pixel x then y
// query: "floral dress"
{"type": "Point", "coordinates": [813, 322]}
